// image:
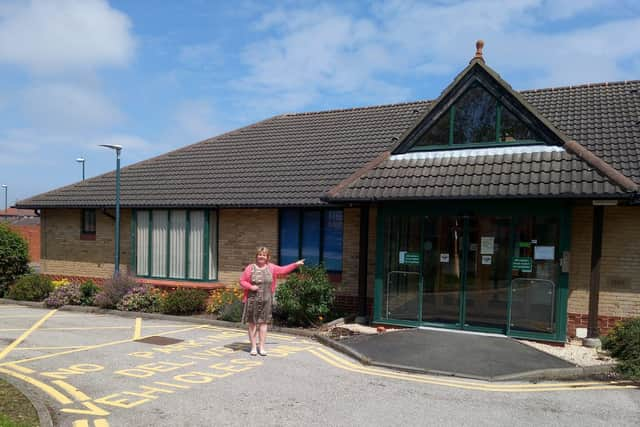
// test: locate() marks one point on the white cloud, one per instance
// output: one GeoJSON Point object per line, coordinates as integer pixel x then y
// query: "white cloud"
{"type": "Point", "coordinates": [69, 107]}
{"type": "Point", "coordinates": [305, 53]}
{"type": "Point", "coordinates": [59, 35]}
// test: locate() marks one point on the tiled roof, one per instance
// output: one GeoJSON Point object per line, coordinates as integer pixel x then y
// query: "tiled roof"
{"type": "Point", "coordinates": [18, 212]}
{"type": "Point", "coordinates": [514, 172]}
{"type": "Point", "coordinates": [294, 159]}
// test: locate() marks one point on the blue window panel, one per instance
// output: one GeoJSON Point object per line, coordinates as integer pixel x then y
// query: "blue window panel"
{"type": "Point", "coordinates": [311, 237]}
{"type": "Point", "coordinates": [332, 240]}
{"type": "Point", "coordinates": [289, 236]}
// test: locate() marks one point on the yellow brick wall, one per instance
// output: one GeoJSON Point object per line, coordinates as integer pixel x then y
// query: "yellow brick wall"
{"type": "Point", "coordinates": [63, 253]}
{"type": "Point", "coordinates": [620, 264]}
{"type": "Point", "coordinates": [350, 252]}
{"type": "Point", "coordinates": [241, 231]}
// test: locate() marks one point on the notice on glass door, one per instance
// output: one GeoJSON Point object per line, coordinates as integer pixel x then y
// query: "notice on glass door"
{"type": "Point", "coordinates": [544, 252]}
{"type": "Point", "coordinates": [486, 245]}
{"type": "Point", "coordinates": [444, 258]}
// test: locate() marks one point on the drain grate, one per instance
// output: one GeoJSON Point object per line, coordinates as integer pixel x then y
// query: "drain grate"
{"type": "Point", "coordinates": [155, 340]}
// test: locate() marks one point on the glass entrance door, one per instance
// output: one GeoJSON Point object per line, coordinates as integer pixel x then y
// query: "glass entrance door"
{"type": "Point", "coordinates": [488, 272]}
{"type": "Point", "coordinates": [494, 273]}
{"type": "Point", "coordinates": [442, 269]}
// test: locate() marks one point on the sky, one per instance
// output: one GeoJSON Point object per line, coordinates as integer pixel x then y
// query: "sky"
{"type": "Point", "coordinates": [155, 75]}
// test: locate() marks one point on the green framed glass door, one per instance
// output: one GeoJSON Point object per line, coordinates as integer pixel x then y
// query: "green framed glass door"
{"type": "Point", "coordinates": [442, 269]}
{"type": "Point", "coordinates": [474, 270]}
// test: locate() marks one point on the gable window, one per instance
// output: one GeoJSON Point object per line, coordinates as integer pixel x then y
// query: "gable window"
{"type": "Point", "coordinates": [312, 234]}
{"type": "Point", "coordinates": [88, 231]}
{"type": "Point", "coordinates": [476, 118]}
{"type": "Point", "coordinates": [176, 244]}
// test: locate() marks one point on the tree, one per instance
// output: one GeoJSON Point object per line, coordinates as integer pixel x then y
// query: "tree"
{"type": "Point", "coordinates": [14, 257]}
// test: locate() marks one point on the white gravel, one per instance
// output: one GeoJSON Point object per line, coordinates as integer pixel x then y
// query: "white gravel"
{"type": "Point", "coordinates": [574, 352]}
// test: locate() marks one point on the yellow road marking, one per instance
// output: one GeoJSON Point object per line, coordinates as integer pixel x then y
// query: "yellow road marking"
{"type": "Point", "coordinates": [101, 423]}
{"type": "Point", "coordinates": [342, 363]}
{"type": "Point", "coordinates": [81, 423]}
{"type": "Point", "coordinates": [22, 337]}
{"type": "Point", "coordinates": [48, 348]}
{"type": "Point", "coordinates": [92, 347]}
{"type": "Point", "coordinates": [90, 328]}
{"type": "Point", "coordinates": [21, 369]}
{"type": "Point", "coordinates": [61, 398]}
{"type": "Point", "coordinates": [73, 392]}
{"type": "Point", "coordinates": [137, 329]}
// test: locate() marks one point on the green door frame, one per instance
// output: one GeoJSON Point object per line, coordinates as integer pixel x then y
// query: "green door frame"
{"type": "Point", "coordinates": [516, 209]}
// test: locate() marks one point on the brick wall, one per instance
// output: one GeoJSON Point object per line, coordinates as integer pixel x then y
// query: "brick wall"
{"type": "Point", "coordinates": [63, 253]}
{"type": "Point", "coordinates": [619, 271]}
{"type": "Point", "coordinates": [240, 232]}
{"type": "Point", "coordinates": [31, 234]}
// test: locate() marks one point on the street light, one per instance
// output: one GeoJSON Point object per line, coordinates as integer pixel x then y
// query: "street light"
{"type": "Point", "coordinates": [81, 160]}
{"type": "Point", "coordinates": [5, 186]}
{"type": "Point", "coordinates": [117, 148]}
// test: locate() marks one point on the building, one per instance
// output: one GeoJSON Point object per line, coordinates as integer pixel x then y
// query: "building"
{"type": "Point", "coordinates": [26, 223]}
{"type": "Point", "coordinates": [486, 209]}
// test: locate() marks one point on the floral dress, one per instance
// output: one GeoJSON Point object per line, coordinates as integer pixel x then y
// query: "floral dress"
{"type": "Point", "coordinates": [257, 309]}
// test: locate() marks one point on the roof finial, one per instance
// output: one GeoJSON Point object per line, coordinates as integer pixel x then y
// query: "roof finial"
{"type": "Point", "coordinates": [478, 55]}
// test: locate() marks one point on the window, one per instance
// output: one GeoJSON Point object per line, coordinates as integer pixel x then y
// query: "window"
{"type": "Point", "coordinates": [176, 244]}
{"type": "Point", "coordinates": [476, 118]}
{"type": "Point", "coordinates": [88, 224]}
{"type": "Point", "coordinates": [312, 234]}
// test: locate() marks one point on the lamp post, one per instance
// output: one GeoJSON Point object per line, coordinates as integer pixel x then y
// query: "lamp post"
{"type": "Point", "coordinates": [5, 186]}
{"type": "Point", "coordinates": [117, 148]}
{"type": "Point", "coordinates": [81, 160]}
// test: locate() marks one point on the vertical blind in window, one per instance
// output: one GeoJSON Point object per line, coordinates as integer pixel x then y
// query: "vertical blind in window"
{"type": "Point", "coordinates": [313, 234]}
{"type": "Point", "coordinates": [142, 243]}
{"type": "Point", "coordinates": [196, 244]}
{"type": "Point", "coordinates": [177, 244]}
{"type": "Point", "coordinates": [213, 245]}
{"type": "Point", "coordinates": [332, 240]}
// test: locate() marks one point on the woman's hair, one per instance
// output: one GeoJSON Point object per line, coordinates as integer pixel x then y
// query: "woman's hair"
{"type": "Point", "coordinates": [263, 250]}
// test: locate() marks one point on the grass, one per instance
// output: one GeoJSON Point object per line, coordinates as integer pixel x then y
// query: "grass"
{"type": "Point", "coordinates": [15, 408]}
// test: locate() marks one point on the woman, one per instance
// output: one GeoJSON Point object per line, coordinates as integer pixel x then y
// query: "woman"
{"type": "Point", "coordinates": [259, 283]}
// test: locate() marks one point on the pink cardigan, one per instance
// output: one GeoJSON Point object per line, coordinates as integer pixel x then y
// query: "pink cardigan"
{"type": "Point", "coordinates": [276, 270]}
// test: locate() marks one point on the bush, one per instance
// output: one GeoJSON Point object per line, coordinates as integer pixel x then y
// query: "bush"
{"type": "Point", "coordinates": [222, 298]}
{"type": "Point", "coordinates": [88, 290]}
{"type": "Point", "coordinates": [232, 312]}
{"type": "Point", "coordinates": [114, 289]}
{"type": "Point", "coordinates": [306, 298]}
{"type": "Point", "coordinates": [32, 287]}
{"type": "Point", "coordinates": [14, 257]}
{"type": "Point", "coordinates": [68, 294]}
{"type": "Point", "coordinates": [184, 301]}
{"type": "Point", "coordinates": [623, 342]}
{"type": "Point", "coordinates": [141, 298]}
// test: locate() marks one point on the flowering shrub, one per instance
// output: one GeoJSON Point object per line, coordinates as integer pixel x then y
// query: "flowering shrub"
{"type": "Point", "coordinates": [141, 298]}
{"type": "Point", "coordinates": [114, 289]}
{"type": "Point", "coordinates": [58, 283]}
{"type": "Point", "coordinates": [68, 294]}
{"type": "Point", "coordinates": [221, 298]}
